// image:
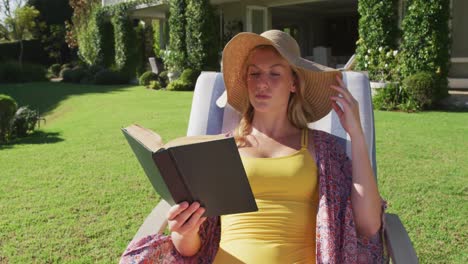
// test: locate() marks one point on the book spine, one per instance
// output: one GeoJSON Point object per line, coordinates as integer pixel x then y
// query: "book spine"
{"type": "Point", "coordinates": [171, 175]}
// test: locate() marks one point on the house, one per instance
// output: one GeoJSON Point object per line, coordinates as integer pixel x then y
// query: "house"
{"type": "Point", "coordinates": [326, 30]}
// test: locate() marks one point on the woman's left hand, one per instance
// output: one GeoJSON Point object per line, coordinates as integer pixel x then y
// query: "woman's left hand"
{"type": "Point", "coordinates": [348, 112]}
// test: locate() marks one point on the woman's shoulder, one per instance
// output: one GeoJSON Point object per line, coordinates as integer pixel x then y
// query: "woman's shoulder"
{"type": "Point", "coordinates": [320, 135]}
{"type": "Point", "coordinates": [324, 141]}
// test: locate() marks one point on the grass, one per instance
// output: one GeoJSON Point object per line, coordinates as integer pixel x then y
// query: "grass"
{"type": "Point", "coordinates": [74, 192]}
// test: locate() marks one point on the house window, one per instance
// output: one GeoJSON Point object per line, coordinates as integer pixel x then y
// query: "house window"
{"type": "Point", "coordinates": [256, 19]}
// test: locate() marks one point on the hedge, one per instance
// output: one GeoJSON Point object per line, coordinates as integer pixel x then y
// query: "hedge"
{"type": "Point", "coordinates": [33, 52]}
{"type": "Point", "coordinates": [426, 43]}
{"type": "Point", "coordinates": [378, 29]}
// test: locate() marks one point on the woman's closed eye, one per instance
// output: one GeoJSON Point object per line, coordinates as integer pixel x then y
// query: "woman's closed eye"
{"type": "Point", "coordinates": [274, 74]}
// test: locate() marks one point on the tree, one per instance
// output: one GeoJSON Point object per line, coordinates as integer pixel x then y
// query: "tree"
{"type": "Point", "coordinates": [21, 25]}
{"type": "Point", "coordinates": [201, 34]}
{"type": "Point", "coordinates": [176, 55]}
{"type": "Point", "coordinates": [54, 14]}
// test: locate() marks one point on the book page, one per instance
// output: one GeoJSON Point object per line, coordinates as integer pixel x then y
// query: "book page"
{"type": "Point", "coordinates": [147, 137]}
{"type": "Point", "coordinates": [192, 140]}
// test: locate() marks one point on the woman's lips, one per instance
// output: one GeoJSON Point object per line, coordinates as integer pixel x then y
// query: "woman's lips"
{"type": "Point", "coordinates": [262, 96]}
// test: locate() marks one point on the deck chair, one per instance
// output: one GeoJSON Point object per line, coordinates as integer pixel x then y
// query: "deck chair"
{"type": "Point", "coordinates": [208, 118]}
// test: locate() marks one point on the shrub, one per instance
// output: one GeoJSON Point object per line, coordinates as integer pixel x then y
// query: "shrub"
{"type": "Point", "coordinates": [67, 66]}
{"type": "Point", "coordinates": [33, 52]}
{"type": "Point", "coordinates": [8, 108]}
{"type": "Point", "coordinates": [419, 89]}
{"type": "Point", "coordinates": [65, 74]}
{"type": "Point", "coordinates": [13, 72]}
{"type": "Point", "coordinates": [10, 72]}
{"type": "Point", "coordinates": [387, 98]}
{"type": "Point", "coordinates": [107, 77]}
{"type": "Point", "coordinates": [147, 77]}
{"type": "Point", "coordinates": [179, 85]}
{"type": "Point", "coordinates": [163, 79]}
{"type": "Point", "coordinates": [155, 85]}
{"type": "Point", "coordinates": [25, 120]}
{"type": "Point", "coordinates": [76, 74]}
{"type": "Point", "coordinates": [189, 75]}
{"type": "Point", "coordinates": [33, 73]}
{"type": "Point", "coordinates": [55, 69]}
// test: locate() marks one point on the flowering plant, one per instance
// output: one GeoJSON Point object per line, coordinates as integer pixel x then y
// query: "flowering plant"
{"type": "Point", "coordinates": [382, 64]}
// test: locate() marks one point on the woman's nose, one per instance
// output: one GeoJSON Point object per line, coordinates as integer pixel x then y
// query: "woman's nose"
{"type": "Point", "coordinates": [262, 81]}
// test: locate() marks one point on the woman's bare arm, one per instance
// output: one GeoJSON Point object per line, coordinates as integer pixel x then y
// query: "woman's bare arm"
{"type": "Point", "coordinates": [184, 222]}
{"type": "Point", "coordinates": [365, 196]}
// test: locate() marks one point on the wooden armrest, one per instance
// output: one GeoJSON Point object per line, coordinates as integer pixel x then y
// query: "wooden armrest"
{"type": "Point", "coordinates": [156, 221]}
{"type": "Point", "coordinates": [398, 242]}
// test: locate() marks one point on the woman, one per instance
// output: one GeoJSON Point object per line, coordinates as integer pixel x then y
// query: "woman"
{"type": "Point", "coordinates": [315, 205]}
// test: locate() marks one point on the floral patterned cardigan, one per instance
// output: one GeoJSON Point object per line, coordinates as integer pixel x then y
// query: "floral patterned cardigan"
{"type": "Point", "coordinates": [336, 237]}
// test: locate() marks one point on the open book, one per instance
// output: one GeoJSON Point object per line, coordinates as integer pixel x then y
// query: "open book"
{"type": "Point", "coordinates": [207, 169]}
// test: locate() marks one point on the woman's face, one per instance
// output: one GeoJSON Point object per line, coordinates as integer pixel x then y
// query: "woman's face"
{"type": "Point", "coordinates": [269, 81]}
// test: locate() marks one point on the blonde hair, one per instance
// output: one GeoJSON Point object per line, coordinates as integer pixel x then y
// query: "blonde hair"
{"type": "Point", "coordinates": [298, 110]}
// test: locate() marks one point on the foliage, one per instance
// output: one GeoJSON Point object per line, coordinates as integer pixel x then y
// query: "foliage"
{"type": "Point", "coordinates": [179, 85]}
{"type": "Point", "coordinates": [124, 35]}
{"type": "Point", "coordinates": [383, 63]}
{"type": "Point", "coordinates": [65, 74]}
{"type": "Point", "coordinates": [90, 38]}
{"type": "Point", "coordinates": [155, 85]}
{"type": "Point", "coordinates": [378, 31]}
{"type": "Point", "coordinates": [107, 77]}
{"type": "Point", "coordinates": [53, 40]}
{"type": "Point", "coordinates": [33, 52]}
{"type": "Point", "coordinates": [22, 25]}
{"type": "Point", "coordinates": [147, 77]}
{"type": "Point", "coordinates": [419, 89]}
{"type": "Point", "coordinates": [156, 37]}
{"type": "Point", "coordinates": [175, 57]}
{"type": "Point", "coordinates": [8, 108]}
{"type": "Point", "coordinates": [426, 42]}
{"type": "Point", "coordinates": [55, 69]}
{"type": "Point", "coordinates": [163, 79]}
{"type": "Point", "coordinates": [201, 34]}
{"type": "Point", "coordinates": [110, 44]}
{"type": "Point", "coordinates": [24, 121]}
{"type": "Point", "coordinates": [388, 97]}
{"type": "Point", "coordinates": [190, 76]}
{"type": "Point", "coordinates": [53, 12]}
{"type": "Point", "coordinates": [72, 75]}
{"type": "Point", "coordinates": [13, 72]}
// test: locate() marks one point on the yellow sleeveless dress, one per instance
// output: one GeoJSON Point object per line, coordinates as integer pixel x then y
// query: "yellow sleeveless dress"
{"type": "Point", "coordinates": [283, 229]}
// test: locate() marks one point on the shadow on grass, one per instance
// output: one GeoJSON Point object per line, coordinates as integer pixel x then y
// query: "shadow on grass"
{"type": "Point", "coordinates": [45, 96]}
{"type": "Point", "coordinates": [38, 137]}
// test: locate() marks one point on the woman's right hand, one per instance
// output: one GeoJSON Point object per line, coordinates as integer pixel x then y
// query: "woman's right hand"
{"type": "Point", "coordinates": [184, 219]}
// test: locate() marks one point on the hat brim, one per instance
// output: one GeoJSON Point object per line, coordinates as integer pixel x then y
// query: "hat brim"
{"type": "Point", "coordinates": [316, 77]}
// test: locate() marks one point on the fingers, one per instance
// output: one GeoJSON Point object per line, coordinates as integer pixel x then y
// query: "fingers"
{"type": "Point", "coordinates": [343, 91]}
{"type": "Point", "coordinates": [183, 218]}
{"type": "Point", "coordinates": [194, 221]}
{"type": "Point", "coordinates": [176, 210]}
{"type": "Point", "coordinates": [337, 109]}
{"type": "Point", "coordinates": [345, 104]}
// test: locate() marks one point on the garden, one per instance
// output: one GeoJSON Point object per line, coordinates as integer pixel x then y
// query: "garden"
{"type": "Point", "coordinates": [72, 191]}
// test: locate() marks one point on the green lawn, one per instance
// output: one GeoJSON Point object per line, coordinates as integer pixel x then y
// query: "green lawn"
{"type": "Point", "coordinates": [74, 192]}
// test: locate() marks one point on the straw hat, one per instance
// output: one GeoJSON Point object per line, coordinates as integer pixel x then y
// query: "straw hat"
{"type": "Point", "coordinates": [316, 78]}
